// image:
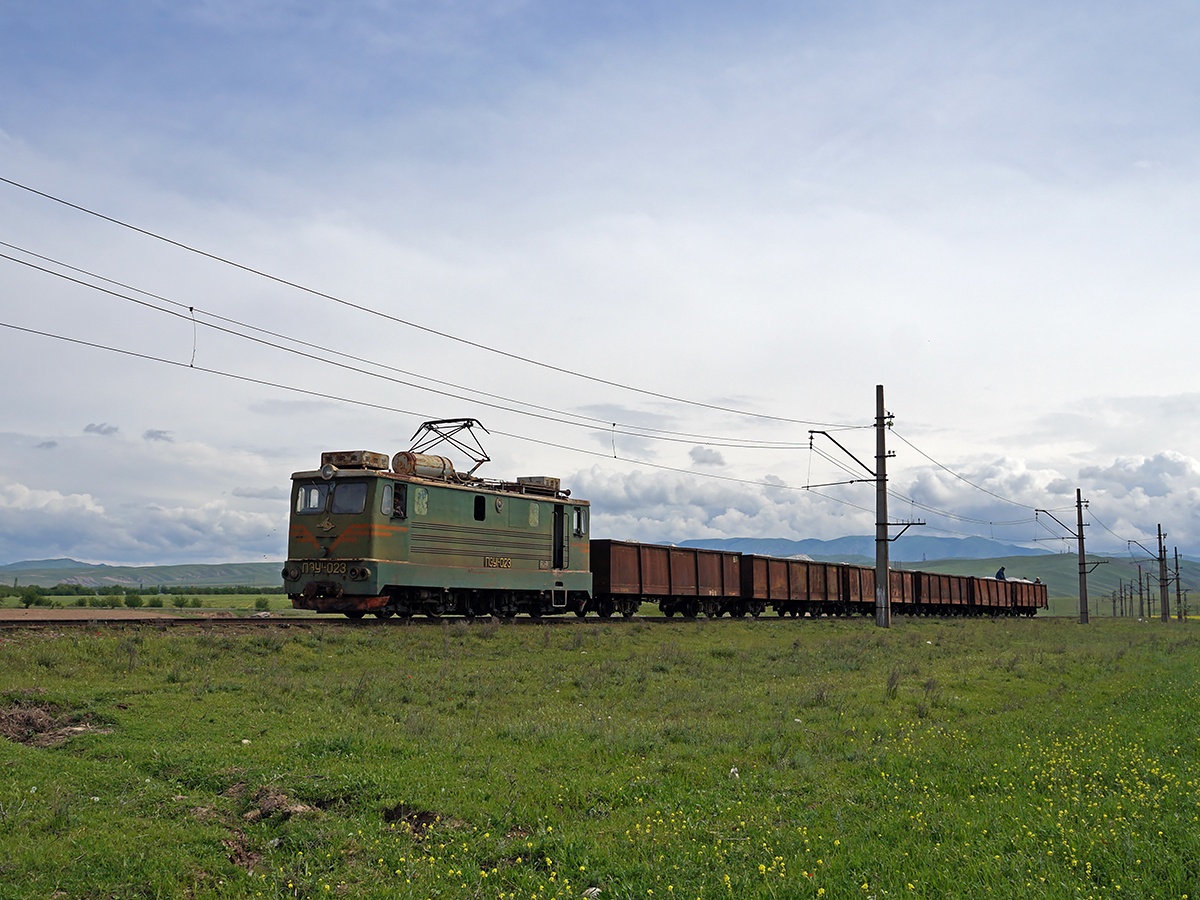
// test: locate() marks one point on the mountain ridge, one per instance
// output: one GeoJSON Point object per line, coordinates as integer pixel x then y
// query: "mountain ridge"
{"type": "Point", "coordinates": [856, 548]}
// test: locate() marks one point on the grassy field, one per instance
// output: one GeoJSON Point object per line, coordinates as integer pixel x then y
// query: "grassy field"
{"type": "Point", "coordinates": [237, 603]}
{"type": "Point", "coordinates": [693, 760]}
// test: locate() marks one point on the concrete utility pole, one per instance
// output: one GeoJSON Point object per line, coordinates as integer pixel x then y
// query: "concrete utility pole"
{"type": "Point", "coordinates": [1083, 597]}
{"type": "Point", "coordinates": [1163, 584]}
{"type": "Point", "coordinates": [1141, 596]}
{"type": "Point", "coordinates": [883, 593]}
{"type": "Point", "coordinates": [1178, 590]}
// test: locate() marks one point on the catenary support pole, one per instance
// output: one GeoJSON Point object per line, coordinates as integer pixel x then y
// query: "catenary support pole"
{"type": "Point", "coordinates": [1083, 595]}
{"type": "Point", "coordinates": [1164, 598]}
{"type": "Point", "coordinates": [1178, 589]}
{"type": "Point", "coordinates": [883, 594]}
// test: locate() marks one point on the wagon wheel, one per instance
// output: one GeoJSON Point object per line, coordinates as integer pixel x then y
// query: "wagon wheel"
{"type": "Point", "coordinates": [605, 609]}
{"type": "Point", "coordinates": [355, 614]}
{"type": "Point", "coordinates": [383, 614]}
{"type": "Point", "coordinates": [627, 612]}
{"type": "Point", "coordinates": [581, 611]}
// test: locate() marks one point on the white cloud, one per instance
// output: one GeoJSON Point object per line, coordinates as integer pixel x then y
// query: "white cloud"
{"type": "Point", "coordinates": [706, 456]}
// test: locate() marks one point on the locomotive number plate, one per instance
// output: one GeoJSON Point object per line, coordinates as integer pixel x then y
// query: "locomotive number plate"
{"type": "Point", "coordinates": [323, 567]}
{"type": "Point", "coordinates": [497, 562]}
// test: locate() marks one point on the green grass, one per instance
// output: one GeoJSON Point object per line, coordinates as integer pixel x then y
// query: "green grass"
{"type": "Point", "coordinates": [276, 603]}
{"type": "Point", "coordinates": [932, 759]}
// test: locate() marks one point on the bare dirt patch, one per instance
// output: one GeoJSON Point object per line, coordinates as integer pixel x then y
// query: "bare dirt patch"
{"type": "Point", "coordinates": [240, 853]}
{"type": "Point", "coordinates": [41, 724]}
{"type": "Point", "coordinates": [269, 801]}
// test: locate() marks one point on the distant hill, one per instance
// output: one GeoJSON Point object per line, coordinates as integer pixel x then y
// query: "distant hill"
{"type": "Point", "coordinates": [49, 572]}
{"type": "Point", "coordinates": [861, 548]}
{"type": "Point", "coordinates": [44, 564]}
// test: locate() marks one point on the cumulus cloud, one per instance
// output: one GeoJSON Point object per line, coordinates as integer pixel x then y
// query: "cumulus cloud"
{"type": "Point", "coordinates": [1147, 476]}
{"type": "Point", "coordinates": [103, 429]}
{"type": "Point", "coordinates": [672, 507]}
{"type": "Point", "coordinates": [43, 524]}
{"type": "Point", "coordinates": [706, 456]}
{"type": "Point", "coordinates": [19, 498]}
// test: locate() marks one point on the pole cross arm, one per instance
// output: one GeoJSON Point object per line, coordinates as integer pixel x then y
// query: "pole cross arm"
{"type": "Point", "coordinates": [867, 468]}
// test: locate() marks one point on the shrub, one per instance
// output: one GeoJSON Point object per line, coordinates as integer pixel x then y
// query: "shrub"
{"type": "Point", "coordinates": [133, 601]}
{"type": "Point", "coordinates": [195, 603]}
{"type": "Point", "coordinates": [155, 602]}
{"type": "Point", "coordinates": [262, 603]}
{"type": "Point", "coordinates": [179, 601]}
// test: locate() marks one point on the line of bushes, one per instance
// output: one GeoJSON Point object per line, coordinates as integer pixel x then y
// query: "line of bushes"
{"type": "Point", "coordinates": [115, 590]}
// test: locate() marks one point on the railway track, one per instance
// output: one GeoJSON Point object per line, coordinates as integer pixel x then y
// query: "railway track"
{"type": "Point", "coordinates": [31, 619]}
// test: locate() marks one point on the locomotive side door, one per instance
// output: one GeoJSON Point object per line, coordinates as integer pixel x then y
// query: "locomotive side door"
{"type": "Point", "coordinates": [560, 537]}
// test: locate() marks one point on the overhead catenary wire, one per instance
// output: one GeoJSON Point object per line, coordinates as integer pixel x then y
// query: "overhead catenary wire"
{"type": "Point", "coordinates": [961, 478]}
{"type": "Point", "coordinates": [406, 322]}
{"type": "Point", "coordinates": [387, 408]}
{"type": "Point", "coordinates": [542, 412]}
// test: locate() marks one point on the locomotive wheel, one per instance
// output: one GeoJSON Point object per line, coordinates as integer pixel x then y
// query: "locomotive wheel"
{"type": "Point", "coordinates": [582, 611]}
{"type": "Point", "coordinates": [355, 614]}
{"type": "Point", "coordinates": [605, 610]}
{"type": "Point", "coordinates": [383, 614]}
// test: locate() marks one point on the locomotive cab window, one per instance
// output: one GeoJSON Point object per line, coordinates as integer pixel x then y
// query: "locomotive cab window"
{"type": "Point", "coordinates": [393, 501]}
{"type": "Point", "coordinates": [580, 519]}
{"type": "Point", "coordinates": [310, 498]}
{"type": "Point", "coordinates": [480, 508]}
{"type": "Point", "coordinates": [349, 498]}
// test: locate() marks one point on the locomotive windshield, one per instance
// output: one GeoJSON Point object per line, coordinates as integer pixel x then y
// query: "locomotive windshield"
{"type": "Point", "coordinates": [342, 498]}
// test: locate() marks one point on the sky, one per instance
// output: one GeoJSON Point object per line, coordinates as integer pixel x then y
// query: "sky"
{"type": "Point", "coordinates": [649, 246]}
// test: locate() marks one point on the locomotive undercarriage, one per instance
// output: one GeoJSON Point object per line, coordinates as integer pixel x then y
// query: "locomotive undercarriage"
{"type": "Point", "coordinates": [406, 602]}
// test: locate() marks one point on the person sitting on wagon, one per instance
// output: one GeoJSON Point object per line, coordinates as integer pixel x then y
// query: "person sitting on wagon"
{"type": "Point", "coordinates": [1000, 575]}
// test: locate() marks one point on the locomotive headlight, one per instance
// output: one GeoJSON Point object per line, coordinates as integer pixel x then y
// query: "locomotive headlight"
{"type": "Point", "coordinates": [328, 471]}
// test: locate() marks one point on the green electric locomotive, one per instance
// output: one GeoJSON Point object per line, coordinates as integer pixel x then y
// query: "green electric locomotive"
{"type": "Point", "coordinates": [413, 536]}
